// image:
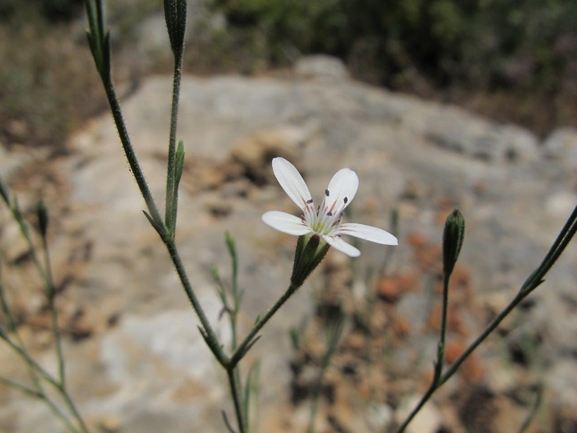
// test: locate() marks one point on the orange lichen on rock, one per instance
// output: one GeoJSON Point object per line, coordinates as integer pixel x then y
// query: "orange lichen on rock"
{"type": "Point", "coordinates": [391, 289]}
{"type": "Point", "coordinates": [401, 328]}
{"type": "Point", "coordinates": [417, 239]}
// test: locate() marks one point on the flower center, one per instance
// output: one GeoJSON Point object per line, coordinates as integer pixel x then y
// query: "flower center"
{"type": "Point", "coordinates": [326, 218]}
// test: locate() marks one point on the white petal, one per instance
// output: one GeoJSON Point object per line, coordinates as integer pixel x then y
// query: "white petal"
{"type": "Point", "coordinates": [286, 223]}
{"type": "Point", "coordinates": [341, 190]}
{"type": "Point", "coordinates": [342, 246]}
{"type": "Point", "coordinates": [291, 181]}
{"type": "Point", "coordinates": [368, 233]}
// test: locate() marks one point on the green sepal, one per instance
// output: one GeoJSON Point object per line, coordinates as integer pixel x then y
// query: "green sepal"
{"type": "Point", "coordinates": [310, 251]}
{"type": "Point", "coordinates": [179, 165]}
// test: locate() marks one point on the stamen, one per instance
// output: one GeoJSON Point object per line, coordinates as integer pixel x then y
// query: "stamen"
{"type": "Point", "coordinates": [311, 200]}
{"type": "Point", "coordinates": [346, 200]}
{"type": "Point", "coordinates": [329, 214]}
{"type": "Point", "coordinates": [327, 192]}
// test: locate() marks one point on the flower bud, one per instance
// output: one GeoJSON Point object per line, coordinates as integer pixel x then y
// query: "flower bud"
{"type": "Point", "coordinates": [175, 16]}
{"type": "Point", "coordinates": [4, 192]}
{"type": "Point", "coordinates": [453, 236]}
{"type": "Point", "coordinates": [42, 215]}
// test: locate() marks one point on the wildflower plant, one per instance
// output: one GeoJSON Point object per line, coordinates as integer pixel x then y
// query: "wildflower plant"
{"type": "Point", "coordinates": [43, 385]}
{"type": "Point", "coordinates": [318, 229]}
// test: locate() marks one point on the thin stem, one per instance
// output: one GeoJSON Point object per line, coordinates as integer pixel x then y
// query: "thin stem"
{"type": "Point", "coordinates": [73, 409]}
{"type": "Point", "coordinates": [443, 335]}
{"type": "Point", "coordinates": [22, 388]}
{"type": "Point", "coordinates": [40, 395]}
{"type": "Point", "coordinates": [212, 339]}
{"type": "Point", "coordinates": [24, 355]}
{"type": "Point", "coordinates": [488, 330]}
{"type": "Point", "coordinates": [439, 379]}
{"type": "Point", "coordinates": [46, 276]}
{"type": "Point", "coordinates": [54, 313]}
{"type": "Point", "coordinates": [240, 350]}
{"type": "Point", "coordinates": [17, 215]}
{"type": "Point", "coordinates": [171, 205]}
{"type": "Point", "coordinates": [534, 409]}
{"type": "Point", "coordinates": [129, 150]}
{"type": "Point", "coordinates": [227, 422]}
{"type": "Point", "coordinates": [317, 393]}
{"type": "Point", "coordinates": [33, 365]}
{"type": "Point", "coordinates": [60, 415]}
{"type": "Point", "coordinates": [235, 391]}
{"type": "Point", "coordinates": [14, 330]}
{"type": "Point", "coordinates": [534, 280]}
{"type": "Point", "coordinates": [553, 254]}
{"type": "Point", "coordinates": [432, 388]}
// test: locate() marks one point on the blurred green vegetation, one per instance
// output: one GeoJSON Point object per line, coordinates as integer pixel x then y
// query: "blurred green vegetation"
{"type": "Point", "coordinates": [513, 60]}
{"type": "Point", "coordinates": [520, 49]}
{"type": "Point", "coordinates": [47, 83]}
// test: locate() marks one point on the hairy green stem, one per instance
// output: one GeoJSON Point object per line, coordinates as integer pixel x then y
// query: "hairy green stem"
{"type": "Point", "coordinates": [129, 150]}
{"type": "Point", "coordinates": [235, 391]}
{"type": "Point", "coordinates": [54, 313]}
{"type": "Point", "coordinates": [214, 345]}
{"type": "Point", "coordinates": [171, 184]}
{"type": "Point", "coordinates": [443, 335]}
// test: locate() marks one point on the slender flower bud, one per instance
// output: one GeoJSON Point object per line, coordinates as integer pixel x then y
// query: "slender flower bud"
{"type": "Point", "coordinates": [4, 192]}
{"type": "Point", "coordinates": [175, 16]}
{"type": "Point", "coordinates": [453, 236]}
{"type": "Point", "coordinates": [42, 215]}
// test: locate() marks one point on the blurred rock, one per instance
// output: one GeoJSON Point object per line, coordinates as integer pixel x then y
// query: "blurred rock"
{"type": "Point", "coordinates": [428, 420]}
{"type": "Point", "coordinates": [321, 67]}
{"type": "Point", "coordinates": [141, 360]}
{"type": "Point", "coordinates": [561, 145]}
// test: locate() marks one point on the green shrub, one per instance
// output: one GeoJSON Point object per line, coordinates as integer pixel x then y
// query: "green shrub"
{"type": "Point", "coordinates": [488, 44]}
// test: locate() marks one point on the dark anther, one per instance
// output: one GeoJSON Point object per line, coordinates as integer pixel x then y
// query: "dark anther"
{"type": "Point", "coordinates": [329, 213]}
{"type": "Point", "coordinates": [346, 200]}
{"type": "Point", "coordinates": [327, 192]}
{"type": "Point", "coordinates": [309, 201]}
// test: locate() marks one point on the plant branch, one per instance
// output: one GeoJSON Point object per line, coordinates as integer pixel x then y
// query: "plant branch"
{"type": "Point", "coordinates": [171, 181]}
{"type": "Point", "coordinates": [246, 343]}
{"type": "Point", "coordinates": [236, 397]}
{"type": "Point", "coordinates": [533, 281]}
{"type": "Point", "coordinates": [210, 335]}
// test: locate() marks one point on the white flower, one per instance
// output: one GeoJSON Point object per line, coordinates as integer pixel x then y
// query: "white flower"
{"type": "Point", "coordinates": [325, 219]}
